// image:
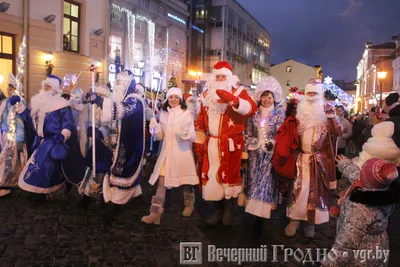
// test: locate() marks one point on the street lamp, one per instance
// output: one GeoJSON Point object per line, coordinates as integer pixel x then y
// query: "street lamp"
{"type": "Point", "coordinates": [381, 77]}
{"type": "Point", "coordinates": [49, 65]}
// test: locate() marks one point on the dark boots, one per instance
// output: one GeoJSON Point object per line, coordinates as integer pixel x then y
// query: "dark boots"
{"type": "Point", "coordinates": [222, 211]}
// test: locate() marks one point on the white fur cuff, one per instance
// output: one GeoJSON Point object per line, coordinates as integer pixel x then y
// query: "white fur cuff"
{"type": "Point", "coordinates": [106, 114]}
{"type": "Point", "coordinates": [66, 133]}
{"type": "Point", "coordinates": [244, 107]}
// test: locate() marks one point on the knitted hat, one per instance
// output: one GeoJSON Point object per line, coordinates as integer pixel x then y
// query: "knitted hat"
{"type": "Point", "coordinates": [175, 91]}
{"type": "Point", "coordinates": [222, 68]}
{"type": "Point", "coordinates": [314, 86]}
{"type": "Point", "coordinates": [270, 84]}
{"type": "Point", "coordinates": [391, 99]}
{"type": "Point", "coordinates": [377, 174]}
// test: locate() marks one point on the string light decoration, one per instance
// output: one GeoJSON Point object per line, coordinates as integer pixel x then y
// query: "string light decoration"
{"type": "Point", "coordinates": [131, 38]}
{"type": "Point", "coordinates": [337, 91]}
{"type": "Point", "coordinates": [11, 120]}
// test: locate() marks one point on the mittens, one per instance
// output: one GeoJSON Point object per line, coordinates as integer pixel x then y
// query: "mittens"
{"type": "Point", "coordinates": [96, 99]}
{"type": "Point", "coordinates": [14, 100]}
{"type": "Point", "coordinates": [59, 138]}
{"type": "Point", "coordinates": [227, 98]}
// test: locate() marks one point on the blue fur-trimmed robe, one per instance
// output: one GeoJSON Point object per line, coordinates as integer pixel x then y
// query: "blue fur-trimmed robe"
{"type": "Point", "coordinates": [123, 181]}
{"type": "Point", "coordinates": [261, 185]}
{"type": "Point", "coordinates": [43, 173]}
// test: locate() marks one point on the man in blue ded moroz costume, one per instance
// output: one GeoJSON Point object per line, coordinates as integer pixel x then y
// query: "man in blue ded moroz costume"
{"type": "Point", "coordinates": [54, 150]}
{"type": "Point", "coordinates": [124, 109]}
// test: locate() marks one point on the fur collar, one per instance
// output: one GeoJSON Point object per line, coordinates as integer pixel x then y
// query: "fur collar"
{"type": "Point", "coordinates": [378, 198]}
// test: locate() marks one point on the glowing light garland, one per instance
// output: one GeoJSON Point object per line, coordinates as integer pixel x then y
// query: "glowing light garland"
{"type": "Point", "coordinates": [11, 120]}
{"type": "Point", "coordinates": [342, 95]}
{"type": "Point", "coordinates": [131, 38]}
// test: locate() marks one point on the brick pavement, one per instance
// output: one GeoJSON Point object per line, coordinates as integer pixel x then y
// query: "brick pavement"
{"type": "Point", "coordinates": [57, 233]}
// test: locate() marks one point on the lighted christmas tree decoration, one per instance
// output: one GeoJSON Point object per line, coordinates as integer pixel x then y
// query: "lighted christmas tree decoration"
{"type": "Point", "coordinates": [172, 82]}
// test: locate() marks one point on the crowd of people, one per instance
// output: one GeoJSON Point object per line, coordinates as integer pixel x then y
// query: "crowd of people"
{"type": "Point", "coordinates": [234, 148]}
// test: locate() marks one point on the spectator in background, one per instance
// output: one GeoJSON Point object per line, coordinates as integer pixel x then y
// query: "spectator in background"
{"type": "Point", "coordinates": [391, 105]}
{"type": "Point", "coordinates": [347, 129]}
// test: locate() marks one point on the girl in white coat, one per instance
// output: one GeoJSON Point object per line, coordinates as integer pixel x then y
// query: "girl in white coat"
{"type": "Point", "coordinates": [175, 165]}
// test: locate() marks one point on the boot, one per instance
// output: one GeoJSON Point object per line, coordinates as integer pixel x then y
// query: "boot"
{"type": "Point", "coordinates": [84, 202]}
{"type": "Point", "coordinates": [111, 213]}
{"type": "Point", "coordinates": [217, 215]}
{"type": "Point", "coordinates": [309, 230]}
{"type": "Point", "coordinates": [227, 214]}
{"type": "Point", "coordinates": [291, 228]}
{"type": "Point", "coordinates": [156, 210]}
{"type": "Point", "coordinates": [189, 203]}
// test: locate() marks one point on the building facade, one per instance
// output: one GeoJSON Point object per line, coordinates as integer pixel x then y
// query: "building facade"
{"type": "Point", "coordinates": [65, 29]}
{"type": "Point", "coordinates": [150, 37]}
{"type": "Point", "coordinates": [396, 64]}
{"type": "Point", "coordinates": [374, 59]}
{"type": "Point", "coordinates": [293, 73]}
{"type": "Point", "coordinates": [224, 30]}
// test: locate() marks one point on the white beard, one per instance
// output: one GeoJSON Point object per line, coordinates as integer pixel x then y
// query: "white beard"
{"type": "Point", "coordinates": [41, 100]}
{"type": "Point", "coordinates": [310, 113]}
{"type": "Point", "coordinates": [120, 91]}
{"type": "Point", "coordinates": [211, 100]}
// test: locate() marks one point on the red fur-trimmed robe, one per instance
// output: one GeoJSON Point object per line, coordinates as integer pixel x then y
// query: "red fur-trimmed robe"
{"type": "Point", "coordinates": [222, 136]}
{"type": "Point", "coordinates": [315, 168]}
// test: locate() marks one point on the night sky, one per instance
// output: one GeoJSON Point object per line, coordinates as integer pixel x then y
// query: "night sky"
{"type": "Point", "coordinates": [331, 33]}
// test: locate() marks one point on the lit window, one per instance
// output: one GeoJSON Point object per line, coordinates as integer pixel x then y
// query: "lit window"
{"type": "Point", "coordinates": [289, 69]}
{"type": "Point", "coordinates": [71, 27]}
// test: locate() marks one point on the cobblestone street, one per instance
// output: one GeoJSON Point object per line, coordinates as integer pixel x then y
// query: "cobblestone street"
{"type": "Point", "coordinates": [58, 233]}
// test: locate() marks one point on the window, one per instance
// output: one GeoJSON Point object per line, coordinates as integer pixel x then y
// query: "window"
{"type": "Point", "coordinates": [289, 69]}
{"type": "Point", "coordinates": [7, 57]}
{"type": "Point", "coordinates": [288, 83]}
{"type": "Point", "coordinates": [162, 11]}
{"type": "Point", "coordinates": [115, 43]}
{"type": "Point", "coordinates": [71, 27]}
{"type": "Point", "coordinates": [145, 3]}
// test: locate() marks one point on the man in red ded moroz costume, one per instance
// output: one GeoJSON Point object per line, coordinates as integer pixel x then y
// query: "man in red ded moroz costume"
{"type": "Point", "coordinates": [220, 125]}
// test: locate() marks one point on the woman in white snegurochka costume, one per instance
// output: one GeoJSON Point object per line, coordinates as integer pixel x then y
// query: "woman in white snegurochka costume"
{"type": "Point", "coordinates": [175, 164]}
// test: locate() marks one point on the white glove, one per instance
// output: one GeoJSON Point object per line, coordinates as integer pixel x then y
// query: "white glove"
{"type": "Point", "coordinates": [154, 125]}
{"type": "Point", "coordinates": [186, 122]}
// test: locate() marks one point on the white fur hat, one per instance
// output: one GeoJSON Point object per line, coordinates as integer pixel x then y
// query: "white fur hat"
{"type": "Point", "coordinates": [268, 83]}
{"type": "Point", "coordinates": [315, 86]}
{"type": "Point", "coordinates": [175, 91]}
{"type": "Point", "coordinates": [381, 144]}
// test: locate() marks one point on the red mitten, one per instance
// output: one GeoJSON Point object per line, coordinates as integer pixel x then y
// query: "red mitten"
{"type": "Point", "coordinates": [227, 98]}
